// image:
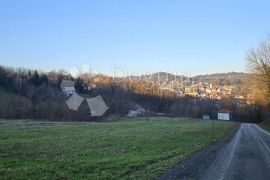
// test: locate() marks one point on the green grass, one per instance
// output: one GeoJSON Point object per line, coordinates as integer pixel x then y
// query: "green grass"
{"type": "Point", "coordinates": [265, 126]}
{"type": "Point", "coordinates": [4, 93]}
{"type": "Point", "coordinates": [126, 149]}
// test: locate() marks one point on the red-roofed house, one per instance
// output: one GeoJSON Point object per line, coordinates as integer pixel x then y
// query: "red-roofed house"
{"type": "Point", "coordinates": [224, 114]}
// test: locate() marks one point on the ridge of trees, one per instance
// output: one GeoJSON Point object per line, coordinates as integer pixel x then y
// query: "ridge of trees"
{"type": "Point", "coordinates": [38, 95]}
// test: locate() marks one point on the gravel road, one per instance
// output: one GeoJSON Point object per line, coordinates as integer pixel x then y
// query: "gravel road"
{"type": "Point", "coordinates": [245, 156]}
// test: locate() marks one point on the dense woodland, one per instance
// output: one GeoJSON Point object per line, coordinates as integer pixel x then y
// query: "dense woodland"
{"type": "Point", "coordinates": [37, 95]}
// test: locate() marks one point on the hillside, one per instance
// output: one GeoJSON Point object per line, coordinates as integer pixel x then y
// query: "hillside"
{"type": "Point", "coordinates": [230, 78]}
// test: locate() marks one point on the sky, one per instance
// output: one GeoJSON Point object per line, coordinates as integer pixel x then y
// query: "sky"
{"type": "Point", "coordinates": [139, 36]}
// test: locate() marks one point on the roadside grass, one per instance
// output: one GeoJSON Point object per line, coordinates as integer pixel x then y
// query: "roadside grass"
{"type": "Point", "coordinates": [126, 149]}
{"type": "Point", "coordinates": [265, 126]}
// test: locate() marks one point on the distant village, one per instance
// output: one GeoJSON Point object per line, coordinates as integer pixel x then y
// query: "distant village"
{"type": "Point", "coordinates": [207, 90]}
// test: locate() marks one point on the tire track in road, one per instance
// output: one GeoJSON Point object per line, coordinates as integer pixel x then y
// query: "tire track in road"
{"type": "Point", "coordinates": [261, 143]}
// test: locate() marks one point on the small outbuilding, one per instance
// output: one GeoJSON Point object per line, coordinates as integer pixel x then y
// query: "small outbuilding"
{"type": "Point", "coordinates": [224, 114]}
{"type": "Point", "coordinates": [68, 87]}
{"type": "Point", "coordinates": [206, 117]}
{"type": "Point", "coordinates": [139, 110]}
{"type": "Point", "coordinates": [69, 91]}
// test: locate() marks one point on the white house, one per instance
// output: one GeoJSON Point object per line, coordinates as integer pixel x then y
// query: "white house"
{"type": "Point", "coordinates": [206, 117]}
{"type": "Point", "coordinates": [69, 91]}
{"type": "Point", "coordinates": [132, 113]}
{"type": "Point", "coordinates": [67, 87]}
{"type": "Point", "coordinates": [224, 114]}
{"type": "Point", "coordinates": [135, 113]}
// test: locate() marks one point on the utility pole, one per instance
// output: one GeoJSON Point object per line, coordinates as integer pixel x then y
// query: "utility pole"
{"type": "Point", "coordinates": [147, 114]}
{"type": "Point", "coordinates": [3, 113]}
{"type": "Point", "coordinates": [213, 129]}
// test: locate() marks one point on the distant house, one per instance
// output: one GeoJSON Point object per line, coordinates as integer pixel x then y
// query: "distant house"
{"type": "Point", "coordinates": [206, 117]}
{"type": "Point", "coordinates": [67, 87]}
{"type": "Point", "coordinates": [132, 113]}
{"type": "Point", "coordinates": [224, 114]}
{"type": "Point", "coordinates": [138, 112]}
{"type": "Point", "coordinates": [69, 91]}
{"type": "Point", "coordinates": [208, 90]}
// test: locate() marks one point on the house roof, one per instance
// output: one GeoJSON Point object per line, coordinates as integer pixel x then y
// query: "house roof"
{"type": "Point", "coordinates": [69, 88]}
{"type": "Point", "coordinates": [66, 83]}
{"type": "Point", "coordinates": [224, 110]}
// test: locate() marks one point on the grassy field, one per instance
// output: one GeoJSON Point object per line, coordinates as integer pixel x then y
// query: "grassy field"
{"type": "Point", "coordinates": [4, 93]}
{"type": "Point", "coordinates": [137, 148]}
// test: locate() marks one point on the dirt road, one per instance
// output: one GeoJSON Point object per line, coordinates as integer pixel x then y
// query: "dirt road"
{"type": "Point", "coordinates": [246, 156]}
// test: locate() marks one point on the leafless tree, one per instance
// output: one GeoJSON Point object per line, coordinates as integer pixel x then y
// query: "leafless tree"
{"type": "Point", "coordinates": [258, 63]}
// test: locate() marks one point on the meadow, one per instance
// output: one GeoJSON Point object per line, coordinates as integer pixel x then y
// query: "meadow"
{"type": "Point", "coordinates": [137, 148]}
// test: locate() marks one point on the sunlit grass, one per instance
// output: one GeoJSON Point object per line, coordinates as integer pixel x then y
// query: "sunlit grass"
{"type": "Point", "coordinates": [132, 148]}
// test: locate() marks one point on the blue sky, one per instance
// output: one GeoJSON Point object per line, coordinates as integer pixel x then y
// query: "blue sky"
{"type": "Point", "coordinates": [143, 36]}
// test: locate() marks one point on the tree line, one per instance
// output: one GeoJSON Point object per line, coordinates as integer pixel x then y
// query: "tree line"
{"type": "Point", "coordinates": [37, 95]}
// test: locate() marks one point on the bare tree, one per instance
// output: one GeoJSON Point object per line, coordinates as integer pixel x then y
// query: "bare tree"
{"type": "Point", "coordinates": [258, 63]}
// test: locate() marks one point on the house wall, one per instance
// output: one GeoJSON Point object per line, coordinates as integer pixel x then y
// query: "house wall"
{"type": "Point", "coordinates": [223, 116]}
{"type": "Point", "coordinates": [206, 117]}
{"type": "Point", "coordinates": [69, 90]}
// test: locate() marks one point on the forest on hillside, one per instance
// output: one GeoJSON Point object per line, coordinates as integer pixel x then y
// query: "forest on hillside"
{"type": "Point", "coordinates": [31, 94]}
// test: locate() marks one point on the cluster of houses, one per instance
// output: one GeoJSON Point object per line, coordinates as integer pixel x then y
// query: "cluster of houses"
{"type": "Point", "coordinates": [207, 90]}
{"type": "Point", "coordinates": [200, 89]}
{"type": "Point", "coordinates": [210, 91]}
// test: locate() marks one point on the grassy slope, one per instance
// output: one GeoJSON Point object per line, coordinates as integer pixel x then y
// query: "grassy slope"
{"type": "Point", "coordinates": [4, 93]}
{"type": "Point", "coordinates": [124, 149]}
{"type": "Point", "coordinates": [265, 126]}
